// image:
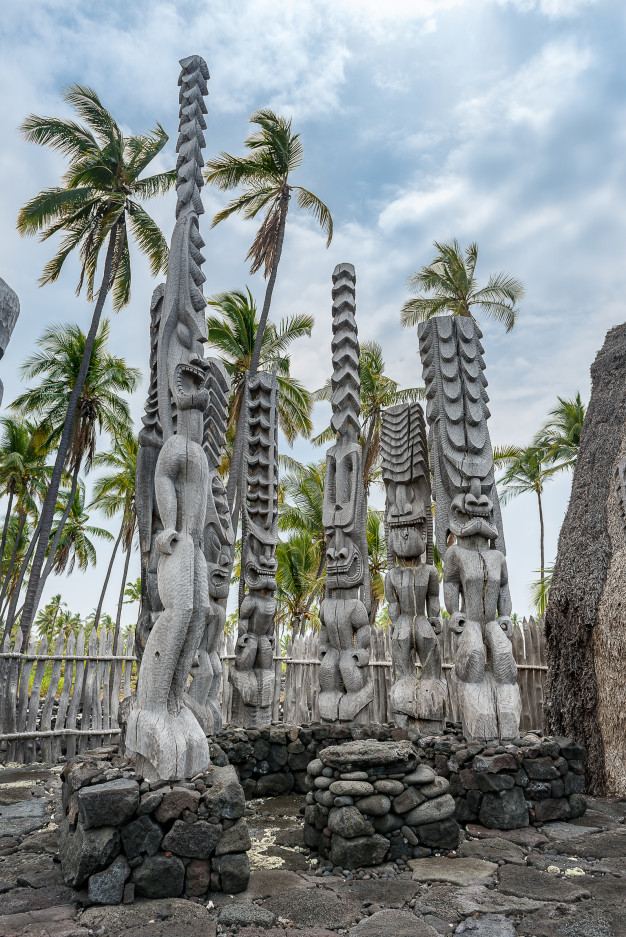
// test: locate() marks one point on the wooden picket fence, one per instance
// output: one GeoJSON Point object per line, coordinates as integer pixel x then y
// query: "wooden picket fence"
{"type": "Point", "coordinates": [79, 709]}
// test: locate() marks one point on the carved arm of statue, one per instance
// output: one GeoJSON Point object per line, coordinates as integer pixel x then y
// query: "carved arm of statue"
{"type": "Point", "coordinates": [433, 609]}
{"type": "Point", "coordinates": [452, 590]}
{"type": "Point", "coordinates": [245, 614]}
{"type": "Point", "coordinates": [504, 602]}
{"type": "Point", "coordinates": [167, 499]}
{"type": "Point", "coordinates": [393, 600]}
{"type": "Point", "coordinates": [361, 625]}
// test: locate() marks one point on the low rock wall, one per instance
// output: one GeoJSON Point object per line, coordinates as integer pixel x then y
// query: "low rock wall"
{"type": "Point", "coordinates": [372, 802]}
{"type": "Point", "coordinates": [529, 781]}
{"type": "Point", "coordinates": [122, 837]}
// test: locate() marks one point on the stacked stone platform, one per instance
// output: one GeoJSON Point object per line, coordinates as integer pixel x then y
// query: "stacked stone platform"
{"type": "Point", "coordinates": [371, 802]}
{"type": "Point", "coordinates": [529, 781]}
{"type": "Point", "coordinates": [123, 837]}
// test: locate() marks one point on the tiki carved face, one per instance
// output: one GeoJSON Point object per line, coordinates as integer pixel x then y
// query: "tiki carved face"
{"type": "Point", "coordinates": [260, 563]}
{"type": "Point", "coordinates": [186, 365]}
{"type": "Point", "coordinates": [342, 509]}
{"type": "Point", "coordinates": [406, 519]}
{"type": "Point", "coordinates": [471, 513]}
{"type": "Point", "coordinates": [218, 538]}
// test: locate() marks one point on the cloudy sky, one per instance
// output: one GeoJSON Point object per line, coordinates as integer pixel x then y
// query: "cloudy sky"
{"type": "Point", "coordinates": [496, 121]}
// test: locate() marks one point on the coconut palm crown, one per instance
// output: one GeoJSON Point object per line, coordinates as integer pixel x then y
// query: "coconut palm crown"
{"type": "Point", "coordinates": [100, 193]}
{"type": "Point", "coordinates": [447, 286]}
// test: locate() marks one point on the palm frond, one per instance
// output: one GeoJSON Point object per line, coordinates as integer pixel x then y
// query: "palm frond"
{"type": "Point", "coordinates": [311, 203]}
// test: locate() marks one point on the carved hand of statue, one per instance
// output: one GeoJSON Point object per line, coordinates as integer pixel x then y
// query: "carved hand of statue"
{"type": "Point", "coordinates": [456, 622]}
{"type": "Point", "coordinates": [436, 624]}
{"type": "Point", "coordinates": [166, 539]}
{"type": "Point", "coordinates": [506, 624]}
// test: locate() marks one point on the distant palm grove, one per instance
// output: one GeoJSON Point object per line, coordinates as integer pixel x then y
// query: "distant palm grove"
{"type": "Point", "coordinates": [68, 446]}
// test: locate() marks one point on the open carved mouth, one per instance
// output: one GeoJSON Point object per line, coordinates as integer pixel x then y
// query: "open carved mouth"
{"type": "Point", "coordinates": [262, 571]}
{"type": "Point", "coordinates": [407, 522]}
{"type": "Point", "coordinates": [189, 379]}
{"type": "Point", "coordinates": [350, 572]}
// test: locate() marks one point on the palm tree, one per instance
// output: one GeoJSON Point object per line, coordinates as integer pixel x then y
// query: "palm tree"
{"type": "Point", "coordinates": [18, 535]}
{"type": "Point", "coordinates": [447, 286]}
{"type": "Point", "coordinates": [231, 331]}
{"type": "Point", "coordinates": [525, 469]}
{"type": "Point", "coordinates": [24, 477]}
{"type": "Point", "coordinates": [560, 434]}
{"type": "Point", "coordinates": [378, 391]}
{"type": "Point", "coordinates": [298, 584]}
{"type": "Point", "coordinates": [377, 558]}
{"type": "Point", "coordinates": [275, 153]}
{"type": "Point", "coordinates": [540, 590]}
{"type": "Point", "coordinates": [75, 547]}
{"type": "Point", "coordinates": [301, 511]}
{"type": "Point", "coordinates": [99, 409]}
{"type": "Point", "coordinates": [97, 202]}
{"type": "Point", "coordinates": [115, 492]}
{"type": "Point", "coordinates": [48, 618]}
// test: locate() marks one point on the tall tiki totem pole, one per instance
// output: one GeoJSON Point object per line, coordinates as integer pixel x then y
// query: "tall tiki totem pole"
{"type": "Point", "coordinates": [412, 583]}
{"type": "Point", "coordinates": [162, 733]}
{"type": "Point", "coordinates": [346, 688]}
{"type": "Point", "coordinates": [253, 675]}
{"type": "Point", "coordinates": [468, 527]}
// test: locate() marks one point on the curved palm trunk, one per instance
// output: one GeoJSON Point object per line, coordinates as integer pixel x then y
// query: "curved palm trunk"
{"type": "Point", "coordinates": [541, 538]}
{"type": "Point", "coordinates": [6, 590]}
{"type": "Point", "coordinates": [107, 577]}
{"type": "Point", "coordinates": [49, 505]}
{"type": "Point", "coordinates": [118, 619]}
{"type": "Point", "coordinates": [235, 465]}
{"type": "Point", "coordinates": [57, 537]}
{"type": "Point", "coordinates": [6, 523]}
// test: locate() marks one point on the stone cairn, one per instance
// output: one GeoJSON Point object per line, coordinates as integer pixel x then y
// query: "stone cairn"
{"type": "Point", "coordinates": [412, 582]}
{"type": "Point", "coordinates": [372, 802]}
{"type": "Point", "coordinates": [346, 688]}
{"type": "Point", "coordinates": [253, 674]}
{"type": "Point", "coordinates": [467, 516]}
{"type": "Point", "coordinates": [9, 312]}
{"type": "Point", "coordinates": [124, 837]}
{"type": "Point", "coordinates": [163, 735]}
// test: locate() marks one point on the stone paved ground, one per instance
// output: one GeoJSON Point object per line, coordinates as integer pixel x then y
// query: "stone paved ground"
{"type": "Point", "coordinates": [566, 880]}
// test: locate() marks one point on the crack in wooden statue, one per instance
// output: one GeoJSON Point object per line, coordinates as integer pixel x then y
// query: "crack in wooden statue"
{"type": "Point", "coordinates": [162, 733]}
{"type": "Point", "coordinates": [9, 312]}
{"type": "Point", "coordinates": [252, 675]}
{"type": "Point", "coordinates": [412, 583]}
{"type": "Point", "coordinates": [468, 527]}
{"type": "Point", "coordinates": [346, 687]}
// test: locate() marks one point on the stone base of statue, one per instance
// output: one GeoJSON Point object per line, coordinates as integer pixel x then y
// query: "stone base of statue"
{"type": "Point", "coordinates": [122, 837]}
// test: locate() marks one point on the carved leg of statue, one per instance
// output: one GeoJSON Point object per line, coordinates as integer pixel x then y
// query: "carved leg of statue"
{"type": "Point", "coordinates": [213, 703]}
{"type": "Point", "coordinates": [432, 691]}
{"type": "Point", "coordinates": [165, 735]}
{"type": "Point", "coordinates": [265, 673]}
{"type": "Point", "coordinates": [401, 647]}
{"type": "Point", "coordinates": [195, 697]}
{"type": "Point", "coordinates": [206, 671]}
{"type": "Point", "coordinates": [331, 686]}
{"type": "Point", "coordinates": [242, 676]}
{"type": "Point", "coordinates": [475, 685]}
{"type": "Point", "coordinates": [353, 706]}
{"type": "Point", "coordinates": [402, 693]}
{"type": "Point", "coordinates": [508, 699]}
